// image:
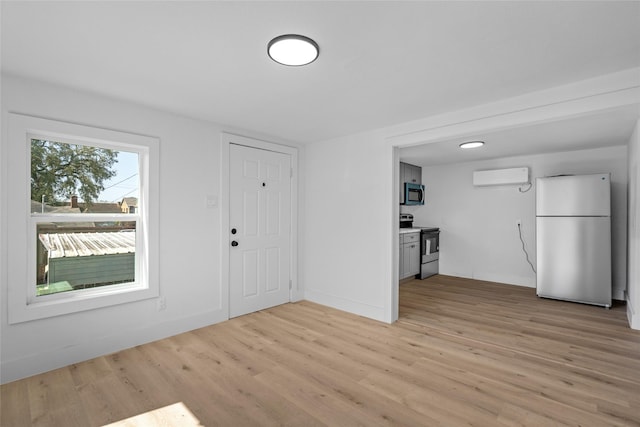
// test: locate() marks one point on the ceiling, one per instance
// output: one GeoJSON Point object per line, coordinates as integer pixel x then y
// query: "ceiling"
{"type": "Point", "coordinates": [605, 129]}
{"type": "Point", "coordinates": [380, 64]}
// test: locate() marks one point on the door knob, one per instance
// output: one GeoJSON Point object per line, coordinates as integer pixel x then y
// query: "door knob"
{"type": "Point", "coordinates": [234, 243]}
{"type": "Point", "coordinates": [234, 231]}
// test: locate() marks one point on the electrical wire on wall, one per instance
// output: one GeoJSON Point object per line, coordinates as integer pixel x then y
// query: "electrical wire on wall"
{"type": "Point", "coordinates": [524, 249]}
{"type": "Point", "coordinates": [522, 190]}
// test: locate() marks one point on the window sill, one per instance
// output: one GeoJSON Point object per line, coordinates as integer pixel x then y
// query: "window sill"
{"type": "Point", "coordinates": [77, 301]}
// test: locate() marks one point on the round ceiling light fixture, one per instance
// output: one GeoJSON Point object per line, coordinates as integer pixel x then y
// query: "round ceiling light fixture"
{"type": "Point", "coordinates": [471, 144]}
{"type": "Point", "coordinates": [293, 50]}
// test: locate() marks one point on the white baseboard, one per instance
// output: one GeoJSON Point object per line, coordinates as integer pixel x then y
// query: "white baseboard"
{"type": "Point", "coordinates": [525, 281]}
{"type": "Point", "coordinates": [618, 294]}
{"type": "Point", "coordinates": [355, 307]}
{"type": "Point", "coordinates": [297, 295]}
{"type": "Point", "coordinates": [12, 370]}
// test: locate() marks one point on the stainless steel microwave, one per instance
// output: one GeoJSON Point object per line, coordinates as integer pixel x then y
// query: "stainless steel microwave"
{"type": "Point", "coordinates": [413, 194]}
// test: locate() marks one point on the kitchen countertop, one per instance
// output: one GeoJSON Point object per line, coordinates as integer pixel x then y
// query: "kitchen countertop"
{"type": "Point", "coordinates": [409, 230]}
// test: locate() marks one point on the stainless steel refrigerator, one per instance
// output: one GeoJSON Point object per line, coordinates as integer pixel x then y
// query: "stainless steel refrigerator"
{"type": "Point", "coordinates": [573, 238]}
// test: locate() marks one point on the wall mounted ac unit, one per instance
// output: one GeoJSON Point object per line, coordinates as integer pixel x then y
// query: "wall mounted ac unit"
{"type": "Point", "coordinates": [501, 176]}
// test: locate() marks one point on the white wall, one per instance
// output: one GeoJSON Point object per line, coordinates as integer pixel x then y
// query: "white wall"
{"type": "Point", "coordinates": [348, 212]}
{"type": "Point", "coordinates": [347, 241]}
{"type": "Point", "coordinates": [633, 291]}
{"type": "Point", "coordinates": [190, 253]}
{"type": "Point", "coordinates": [350, 248]}
{"type": "Point", "coordinates": [479, 237]}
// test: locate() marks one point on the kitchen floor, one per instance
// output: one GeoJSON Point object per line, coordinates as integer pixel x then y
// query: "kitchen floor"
{"type": "Point", "coordinates": [500, 351]}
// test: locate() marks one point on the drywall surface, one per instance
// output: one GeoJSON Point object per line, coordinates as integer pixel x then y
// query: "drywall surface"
{"type": "Point", "coordinates": [351, 212]}
{"type": "Point", "coordinates": [633, 289]}
{"type": "Point", "coordinates": [189, 252]}
{"type": "Point", "coordinates": [189, 262]}
{"type": "Point", "coordinates": [480, 236]}
{"type": "Point", "coordinates": [348, 215]}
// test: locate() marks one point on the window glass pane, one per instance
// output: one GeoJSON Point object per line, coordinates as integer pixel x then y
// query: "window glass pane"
{"type": "Point", "coordinates": [77, 255]}
{"type": "Point", "coordinates": [75, 179]}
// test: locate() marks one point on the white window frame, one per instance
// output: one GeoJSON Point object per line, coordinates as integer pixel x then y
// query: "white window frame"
{"type": "Point", "coordinates": [23, 304]}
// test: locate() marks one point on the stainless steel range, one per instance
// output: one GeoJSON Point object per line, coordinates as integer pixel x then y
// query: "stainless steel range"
{"type": "Point", "coordinates": [429, 246]}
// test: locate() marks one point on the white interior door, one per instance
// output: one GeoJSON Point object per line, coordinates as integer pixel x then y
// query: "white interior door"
{"type": "Point", "coordinates": [260, 229]}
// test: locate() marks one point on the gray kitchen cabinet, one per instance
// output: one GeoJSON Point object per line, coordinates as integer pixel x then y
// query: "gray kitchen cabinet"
{"type": "Point", "coordinates": [412, 174]}
{"type": "Point", "coordinates": [412, 258]}
{"type": "Point", "coordinates": [409, 173]}
{"type": "Point", "coordinates": [409, 255]}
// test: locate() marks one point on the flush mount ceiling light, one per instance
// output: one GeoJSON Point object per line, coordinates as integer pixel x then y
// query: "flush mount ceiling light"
{"type": "Point", "coordinates": [471, 144]}
{"type": "Point", "coordinates": [293, 50]}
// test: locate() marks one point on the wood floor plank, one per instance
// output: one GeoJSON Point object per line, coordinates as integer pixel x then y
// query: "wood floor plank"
{"type": "Point", "coordinates": [90, 371]}
{"type": "Point", "coordinates": [107, 400]}
{"type": "Point", "coordinates": [14, 404]}
{"type": "Point", "coordinates": [513, 368]}
{"type": "Point", "coordinates": [289, 347]}
{"type": "Point", "coordinates": [316, 372]}
{"type": "Point", "coordinates": [428, 400]}
{"type": "Point", "coordinates": [464, 352]}
{"type": "Point", "coordinates": [53, 397]}
{"type": "Point", "coordinates": [199, 390]}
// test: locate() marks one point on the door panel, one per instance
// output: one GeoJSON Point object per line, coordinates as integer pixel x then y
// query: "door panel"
{"type": "Point", "coordinates": [249, 273]}
{"type": "Point", "coordinates": [251, 212]}
{"type": "Point", "coordinates": [273, 269]}
{"type": "Point", "coordinates": [273, 214]}
{"type": "Point", "coordinates": [260, 210]}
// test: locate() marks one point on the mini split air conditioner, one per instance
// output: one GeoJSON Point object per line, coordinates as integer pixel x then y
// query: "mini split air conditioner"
{"type": "Point", "coordinates": [501, 177]}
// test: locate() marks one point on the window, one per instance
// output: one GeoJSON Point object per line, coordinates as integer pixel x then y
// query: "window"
{"type": "Point", "coordinates": [90, 218]}
{"type": "Point", "coordinates": [71, 253]}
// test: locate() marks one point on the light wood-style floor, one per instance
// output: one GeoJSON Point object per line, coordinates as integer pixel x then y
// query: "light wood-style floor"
{"type": "Point", "coordinates": [464, 352]}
